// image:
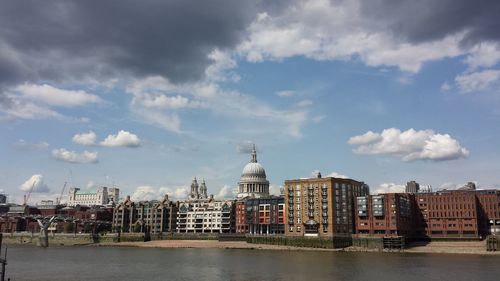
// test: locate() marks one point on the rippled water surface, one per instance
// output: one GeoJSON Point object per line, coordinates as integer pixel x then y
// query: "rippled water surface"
{"type": "Point", "coordinates": [91, 263]}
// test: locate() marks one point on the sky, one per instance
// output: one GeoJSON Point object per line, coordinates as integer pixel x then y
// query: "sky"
{"type": "Point", "coordinates": [146, 95]}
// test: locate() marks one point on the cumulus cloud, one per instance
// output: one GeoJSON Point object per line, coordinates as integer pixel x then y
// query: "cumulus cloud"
{"type": "Point", "coordinates": [146, 193]}
{"type": "Point", "coordinates": [390, 188]}
{"type": "Point", "coordinates": [74, 157]}
{"type": "Point", "coordinates": [123, 138]}
{"type": "Point", "coordinates": [35, 183]}
{"type": "Point", "coordinates": [409, 145]}
{"type": "Point", "coordinates": [85, 138]}
{"type": "Point", "coordinates": [226, 192]}
{"type": "Point", "coordinates": [366, 138]}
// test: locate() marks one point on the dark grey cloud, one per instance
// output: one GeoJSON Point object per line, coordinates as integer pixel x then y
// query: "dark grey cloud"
{"type": "Point", "coordinates": [427, 20]}
{"type": "Point", "coordinates": [59, 40]}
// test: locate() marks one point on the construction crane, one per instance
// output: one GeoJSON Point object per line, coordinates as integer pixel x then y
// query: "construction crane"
{"type": "Point", "coordinates": [58, 200]}
{"type": "Point", "coordinates": [28, 193]}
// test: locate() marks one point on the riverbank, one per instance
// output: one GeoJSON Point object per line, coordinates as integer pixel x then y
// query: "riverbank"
{"type": "Point", "coordinates": [207, 244]}
{"type": "Point", "coordinates": [467, 247]}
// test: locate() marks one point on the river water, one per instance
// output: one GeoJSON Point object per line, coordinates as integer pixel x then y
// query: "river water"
{"type": "Point", "coordinates": [109, 264]}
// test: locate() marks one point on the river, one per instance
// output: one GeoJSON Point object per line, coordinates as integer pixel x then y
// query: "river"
{"type": "Point", "coordinates": [109, 264]}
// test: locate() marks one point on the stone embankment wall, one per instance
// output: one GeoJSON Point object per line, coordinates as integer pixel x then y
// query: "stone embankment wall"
{"type": "Point", "coordinates": [58, 239]}
{"type": "Point", "coordinates": [309, 242]}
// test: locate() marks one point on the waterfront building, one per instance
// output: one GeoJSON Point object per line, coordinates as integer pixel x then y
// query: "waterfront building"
{"type": "Point", "coordinates": [447, 214]}
{"type": "Point", "coordinates": [265, 216]}
{"type": "Point", "coordinates": [464, 213]}
{"type": "Point", "coordinates": [388, 214]}
{"type": "Point", "coordinates": [102, 196]}
{"type": "Point", "coordinates": [321, 206]}
{"type": "Point", "coordinates": [153, 216]}
{"type": "Point", "coordinates": [240, 217]}
{"type": "Point", "coordinates": [202, 214]}
{"type": "Point", "coordinates": [253, 181]}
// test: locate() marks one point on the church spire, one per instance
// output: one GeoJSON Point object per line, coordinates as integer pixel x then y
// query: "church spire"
{"type": "Point", "coordinates": [254, 155]}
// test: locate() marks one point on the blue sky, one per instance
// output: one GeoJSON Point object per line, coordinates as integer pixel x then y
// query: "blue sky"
{"type": "Point", "coordinates": [316, 85]}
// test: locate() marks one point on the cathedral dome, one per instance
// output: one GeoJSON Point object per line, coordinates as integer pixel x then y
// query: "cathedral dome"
{"type": "Point", "coordinates": [253, 171]}
{"type": "Point", "coordinates": [253, 182]}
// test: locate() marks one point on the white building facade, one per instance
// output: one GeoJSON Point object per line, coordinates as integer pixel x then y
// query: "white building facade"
{"type": "Point", "coordinates": [102, 196]}
{"type": "Point", "coordinates": [203, 214]}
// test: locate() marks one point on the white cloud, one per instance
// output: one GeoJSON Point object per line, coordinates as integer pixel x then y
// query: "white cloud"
{"type": "Point", "coordinates": [34, 183]}
{"type": "Point", "coordinates": [366, 138]}
{"type": "Point", "coordinates": [275, 190]}
{"type": "Point", "coordinates": [445, 87]}
{"type": "Point", "coordinates": [146, 193]}
{"type": "Point", "coordinates": [31, 101]}
{"type": "Point", "coordinates": [167, 102]}
{"type": "Point", "coordinates": [390, 188]}
{"type": "Point", "coordinates": [74, 157]}
{"type": "Point", "coordinates": [24, 145]}
{"type": "Point", "coordinates": [123, 138]}
{"type": "Point", "coordinates": [409, 145]}
{"type": "Point", "coordinates": [337, 175]}
{"type": "Point", "coordinates": [478, 81]}
{"type": "Point", "coordinates": [304, 103]}
{"type": "Point", "coordinates": [207, 95]}
{"type": "Point", "coordinates": [85, 138]}
{"type": "Point", "coordinates": [326, 30]}
{"type": "Point", "coordinates": [318, 118]}
{"type": "Point", "coordinates": [219, 70]}
{"type": "Point", "coordinates": [56, 97]}
{"type": "Point", "coordinates": [485, 54]}
{"type": "Point", "coordinates": [226, 192]}
{"type": "Point", "coordinates": [91, 185]}
{"type": "Point", "coordinates": [285, 94]}
{"type": "Point", "coordinates": [22, 109]}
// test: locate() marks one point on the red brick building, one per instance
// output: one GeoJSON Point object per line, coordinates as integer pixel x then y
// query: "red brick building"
{"type": "Point", "coordinates": [241, 225]}
{"type": "Point", "coordinates": [385, 214]}
{"type": "Point", "coordinates": [446, 214]}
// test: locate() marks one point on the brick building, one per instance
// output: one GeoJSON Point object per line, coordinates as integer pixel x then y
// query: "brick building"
{"type": "Point", "coordinates": [155, 216]}
{"type": "Point", "coordinates": [321, 206]}
{"type": "Point", "coordinates": [240, 217]}
{"type": "Point", "coordinates": [265, 216]}
{"type": "Point", "coordinates": [447, 214]}
{"type": "Point", "coordinates": [385, 214]}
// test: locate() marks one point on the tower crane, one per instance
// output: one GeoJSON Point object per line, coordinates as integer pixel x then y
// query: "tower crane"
{"type": "Point", "coordinates": [28, 194]}
{"type": "Point", "coordinates": [58, 200]}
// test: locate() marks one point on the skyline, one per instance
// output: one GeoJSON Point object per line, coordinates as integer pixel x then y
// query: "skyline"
{"type": "Point", "coordinates": [146, 97]}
